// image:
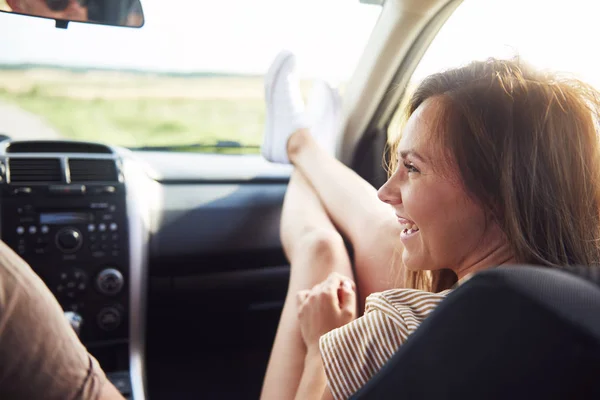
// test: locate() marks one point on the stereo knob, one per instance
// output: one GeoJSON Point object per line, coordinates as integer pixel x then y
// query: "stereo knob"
{"type": "Point", "coordinates": [110, 282]}
{"type": "Point", "coordinates": [109, 318]}
{"type": "Point", "coordinates": [68, 240]}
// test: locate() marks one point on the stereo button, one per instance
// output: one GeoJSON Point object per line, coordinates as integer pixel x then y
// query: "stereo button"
{"type": "Point", "coordinates": [73, 283]}
{"type": "Point", "coordinates": [20, 230]}
{"type": "Point", "coordinates": [106, 189]}
{"type": "Point", "coordinates": [32, 230]}
{"type": "Point", "coordinates": [24, 190]}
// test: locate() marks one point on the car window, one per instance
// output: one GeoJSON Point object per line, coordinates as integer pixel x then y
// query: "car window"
{"type": "Point", "coordinates": [555, 35]}
{"type": "Point", "coordinates": [191, 76]}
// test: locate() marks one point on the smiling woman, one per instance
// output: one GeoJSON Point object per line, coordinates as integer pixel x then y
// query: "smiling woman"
{"type": "Point", "coordinates": [497, 164]}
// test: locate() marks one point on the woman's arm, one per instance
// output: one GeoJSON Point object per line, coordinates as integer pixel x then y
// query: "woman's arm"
{"type": "Point", "coordinates": [313, 383]}
{"type": "Point", "coordinates": [351, 350]}
{"type": "Point", "coordinates": [327, 306]}
{"type": "Point", "coordinates": [327, 394]}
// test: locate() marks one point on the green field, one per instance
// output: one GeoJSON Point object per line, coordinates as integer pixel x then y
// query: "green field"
{"type": "Point", "coordinates": [133, 109]}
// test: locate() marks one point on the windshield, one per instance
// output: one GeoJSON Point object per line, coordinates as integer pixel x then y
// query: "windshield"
{"type": "Point", "coordinates": [191, 75]}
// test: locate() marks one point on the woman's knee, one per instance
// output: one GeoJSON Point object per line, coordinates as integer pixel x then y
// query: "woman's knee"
{"type": "Point", "coordinates": [323, 247]}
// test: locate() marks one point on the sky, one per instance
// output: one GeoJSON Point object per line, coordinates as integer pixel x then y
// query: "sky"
{"type": "Point", "coordinates": [328, 36]}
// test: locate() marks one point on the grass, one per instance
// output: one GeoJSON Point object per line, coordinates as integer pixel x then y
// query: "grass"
{"type": "Point", "coordinates": [132, 109]}
{"type": "Point", "coordinates": [148, 122]}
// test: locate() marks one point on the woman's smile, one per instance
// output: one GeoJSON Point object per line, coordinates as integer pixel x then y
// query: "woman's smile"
{"type": "Point", "coordinates": [409, 227]}
{"type": "Point", "coordinates": [408, 233]}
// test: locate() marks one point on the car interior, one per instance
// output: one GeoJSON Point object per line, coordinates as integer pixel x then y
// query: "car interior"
{"type": "Point", "coordinates": [167, 260]}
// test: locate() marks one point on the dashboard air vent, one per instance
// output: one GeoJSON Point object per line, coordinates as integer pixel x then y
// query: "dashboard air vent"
{"type": "Point", "coordinates": [34, 170]}
{"type": "Point", "coordinates": [93, 170]}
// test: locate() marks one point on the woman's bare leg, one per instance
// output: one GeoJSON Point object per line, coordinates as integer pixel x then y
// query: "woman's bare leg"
{"type": "Point", "coordinates": [314, 249]}
{"type": "Point", "coordinates": [352, 205]}
{"type": "Point", "coordinates": [322, 195]}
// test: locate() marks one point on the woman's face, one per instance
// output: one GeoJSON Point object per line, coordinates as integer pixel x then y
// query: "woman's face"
{"type": "Point", "coordinates": [442, 226]}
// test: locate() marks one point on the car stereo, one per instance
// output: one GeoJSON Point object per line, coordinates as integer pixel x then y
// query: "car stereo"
{"type": "Point", "coordinates": [75, 239]}
{"type": "Point", "coordinates": [76, 213]}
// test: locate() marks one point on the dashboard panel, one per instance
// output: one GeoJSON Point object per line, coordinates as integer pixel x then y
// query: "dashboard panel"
{"type": "Point", "coordinates": [219, 214]}
{"type": "Point", "coordinates": [144, 233]}
{"type": "Point", "coordinates": [204, 218]}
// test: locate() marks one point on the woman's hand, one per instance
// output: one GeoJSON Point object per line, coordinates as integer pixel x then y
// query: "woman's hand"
{"type": "Point", "coordinates": [328, 305]}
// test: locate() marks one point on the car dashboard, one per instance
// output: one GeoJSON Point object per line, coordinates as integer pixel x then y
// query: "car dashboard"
{"type": "Point", "coordinates": [131, 242]}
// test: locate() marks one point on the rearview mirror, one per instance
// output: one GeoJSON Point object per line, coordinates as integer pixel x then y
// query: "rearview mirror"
{"type": "Point", "coordinates": [106, 12]}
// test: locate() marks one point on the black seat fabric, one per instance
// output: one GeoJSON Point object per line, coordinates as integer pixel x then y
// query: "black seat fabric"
{"type": "Point", "coordinates": [517, 332]}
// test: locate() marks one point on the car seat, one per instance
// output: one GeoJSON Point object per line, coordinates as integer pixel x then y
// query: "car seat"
{"type": "Point", "coordinates": [506, 333]}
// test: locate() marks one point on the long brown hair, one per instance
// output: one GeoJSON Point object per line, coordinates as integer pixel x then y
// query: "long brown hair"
{"type": "Point", "coordinates": [527, 148]}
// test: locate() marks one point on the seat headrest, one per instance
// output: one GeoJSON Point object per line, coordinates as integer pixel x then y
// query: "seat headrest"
{"type": "Point", "coordinates": [509, 332]}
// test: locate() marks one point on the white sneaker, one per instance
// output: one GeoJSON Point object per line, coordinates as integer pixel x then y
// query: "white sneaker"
{"type": "Point", "coordinates": [323, 112]}
{"type": "Point", "coordinates": [285, 107]}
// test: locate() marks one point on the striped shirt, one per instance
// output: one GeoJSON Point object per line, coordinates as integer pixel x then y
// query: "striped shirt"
{"type": "Point", "coordinates": [354, 353]}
